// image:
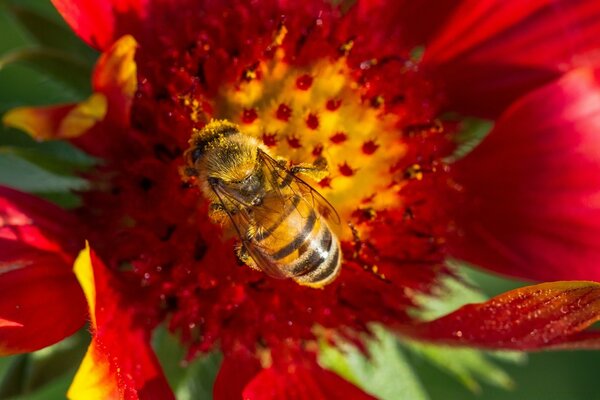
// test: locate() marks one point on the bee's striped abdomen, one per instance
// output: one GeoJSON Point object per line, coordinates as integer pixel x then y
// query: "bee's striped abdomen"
{"type": "Point", "coordinates": [302, 244]}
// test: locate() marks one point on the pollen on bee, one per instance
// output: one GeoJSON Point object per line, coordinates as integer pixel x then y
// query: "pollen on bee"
{"type": "Point", "coordinates": [312, 121]}
{"type": "Point", "coordinates": [249, 115]}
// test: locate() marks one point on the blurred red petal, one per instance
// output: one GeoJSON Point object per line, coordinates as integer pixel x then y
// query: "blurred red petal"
{"type": "Point", "coordinates": [40, 297]}
{"type": "Point", "coordinates": [120, 362]}
{"type": "Point", "coordinates": [499, 50]}
{"type": "Point", "coordinates": [532, 187]}
{"type": "Point", "coordinates": [406, 16]}
{"type": "Point", "coordinates": [549, 315]}
{"type": "Point", "coordinates": [41, 301]}
{"type": "Point", "coordinates": [38, 223]}
{"type": "Point", "coordinates": [234, 374]}
{"type": "Point", "coordinates": [99, 23]}
{"type": "Point", "coordinates": [300, 382]}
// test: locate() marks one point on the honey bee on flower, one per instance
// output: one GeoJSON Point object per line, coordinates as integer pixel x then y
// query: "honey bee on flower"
{"type": "Point", "coordinates": [284, 225]}
{"type": "Point", "coordinates": [306, 117]}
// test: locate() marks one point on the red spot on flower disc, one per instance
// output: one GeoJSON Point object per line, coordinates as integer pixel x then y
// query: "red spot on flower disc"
{"type": "Point", "coordinates": [312, 121]}
{"type": "Point", "coordinates": [338, 138]}
{"type": "Point", "coordinates": [325, 182]}
{"type": "Point", "coordinates": [318, 150]}
{"type": "Point", "coordinates": [284, 112]}
{"type": "Point", "coordinates": [249, 115]}
{"type": "Point", "coordinates": [294, 142]}
{"type": "Point", "coordinates": [269, 139]}
{"type": "Point", "coordinates": [369, 147]}
{"type": "Point", "coordinates": [346, 169]}
{"type": "Point", "coordinates": [333, 104]}
{"type": "Point", "coordinates": [304, 82]}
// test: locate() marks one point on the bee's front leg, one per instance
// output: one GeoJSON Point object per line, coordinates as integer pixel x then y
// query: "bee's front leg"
{"type": "Point", "coordinates": [317, 170]}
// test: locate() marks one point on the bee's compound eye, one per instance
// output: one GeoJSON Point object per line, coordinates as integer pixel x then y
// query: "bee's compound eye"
{"type": "Point", "coordinates": [197, 154]}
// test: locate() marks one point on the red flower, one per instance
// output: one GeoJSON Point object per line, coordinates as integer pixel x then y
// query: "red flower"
{"type": "Point", "coordinates": [313, 81]}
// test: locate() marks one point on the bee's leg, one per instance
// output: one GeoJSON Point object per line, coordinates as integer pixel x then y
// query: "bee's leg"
{"type": "Point", "coordinates": [317, 170]}
{"type": "Point", "coordinates": [244, 257]}
{"type": "Point", "coordinates": [217, 213]}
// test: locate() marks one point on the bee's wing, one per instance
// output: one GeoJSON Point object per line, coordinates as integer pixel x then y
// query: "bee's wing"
{"type": "Point", "coordinates": [242, 221]}
{"type": "Point", "coordinates": [284, 181]}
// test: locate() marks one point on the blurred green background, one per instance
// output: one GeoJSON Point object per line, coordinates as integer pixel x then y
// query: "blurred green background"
{"type": "Point", "coordinates": [54, 68]}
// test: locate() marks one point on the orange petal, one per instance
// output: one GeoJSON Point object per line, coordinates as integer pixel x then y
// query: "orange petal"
{"type": "Point", "coordinates": [545, 316]}
{"type": "Point", "coordinates": [115, 76]}
{"type": "Point", "coordinates": [119, 362]}
{"type": "Point", "coordinates": [58, 122]}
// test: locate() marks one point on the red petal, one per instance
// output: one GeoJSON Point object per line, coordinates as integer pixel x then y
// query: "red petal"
{"type": "Point", "coordinates": [300, 382]}
{"type": "Point", "coordinates": [100, 23]}
{"type": "Point", "coordinates": [549, 315]}
{"type": "Point", "coordinates": [418, 21]}
{"type": "Point", "coordinates": [532, 187]}
{"type": "Point", "coordinates": [38, 223]}
{"type": "Point", "coordinates": [499, 50]}
{"type": "Point", "coordinates": [235, 373]}
{"type": "Point", "coordinates": [40, 297]}
{"type": "Point", "coordinates": [120, 362]}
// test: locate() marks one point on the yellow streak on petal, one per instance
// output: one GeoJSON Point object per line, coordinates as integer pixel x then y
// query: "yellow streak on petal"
{"type": "Point", "coordinates": [117, 67]}
{"type": "Point", "coordinates": [85, 275]}
{"type": "Point", "coordinates": [38, 122]}
{"type": "Point", "coordinates": [93, 379]}
{"type": "Point", "coordinates": [58, 122]}
{"type": "Point", "coordinates": [84, 116]}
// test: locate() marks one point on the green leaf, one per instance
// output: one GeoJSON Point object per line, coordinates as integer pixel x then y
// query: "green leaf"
{"type": "Point", "coordinates": [386, 374]}
{"type": "Point", "coordinates": [189, 380]}
{"type": "Point", "coordinates": [451, 293]}
{"type": "Point", "coordinates": [70, 71]}
{"type": "Point", "coordinates": [44, 374]}
{"type": "Point", "coordinates": [472, 131]}
{"type": "Point", "coordinates": [13, 379]}
{"type": "Point", "coordinates": [26, 176]}
{"type": "Point", "coordinates": [468, 365]}
{"type": "Point", "coordinates": [53, 158]}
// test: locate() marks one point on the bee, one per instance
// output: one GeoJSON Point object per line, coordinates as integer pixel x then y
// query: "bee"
{"type": "Point", "coordinates": [283, 224]}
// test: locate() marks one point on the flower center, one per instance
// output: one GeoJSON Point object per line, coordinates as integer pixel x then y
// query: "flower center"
{"type": "Point", "coordinates": [302, 113]}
